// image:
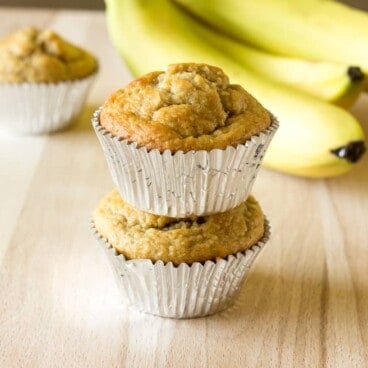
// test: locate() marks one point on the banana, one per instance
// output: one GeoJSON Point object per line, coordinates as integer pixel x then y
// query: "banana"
{"type": "Point", "coordinates": [311, 29]}
{"type": "Point", "coordinates": [313, 135]}
{"type": "Point", "coordinates": [332, 82]}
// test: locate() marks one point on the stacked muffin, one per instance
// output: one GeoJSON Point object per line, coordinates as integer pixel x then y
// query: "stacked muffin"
{"type": "Point", "coordinates": [183, 147]}
{"type": "Point", "coordinates": [44, 81]}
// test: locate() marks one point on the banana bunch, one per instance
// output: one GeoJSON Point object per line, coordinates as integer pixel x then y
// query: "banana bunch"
{"type": "Point", "coordinates": [316, 137]}
{"type": "Point", "coordinates": [313, 29]}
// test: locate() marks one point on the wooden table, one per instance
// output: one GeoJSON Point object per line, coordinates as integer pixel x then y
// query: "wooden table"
{"type": "Point", "coordinates": [305, 303]}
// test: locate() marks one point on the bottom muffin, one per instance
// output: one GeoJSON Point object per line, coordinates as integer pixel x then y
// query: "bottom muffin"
{"type": "Point", "coordinates": [179, 268]}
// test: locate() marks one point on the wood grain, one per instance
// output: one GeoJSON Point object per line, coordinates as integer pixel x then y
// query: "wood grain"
{"type": "Point", "coordinates": [305, 303]}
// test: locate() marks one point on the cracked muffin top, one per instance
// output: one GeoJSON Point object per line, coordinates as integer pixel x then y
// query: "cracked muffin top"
{"type": "Point", "coordinates": [138, 234]}
{"type": "Point", "coordinates": [35, 56]}
{"type": "Point", "coordinates": [188, 107]}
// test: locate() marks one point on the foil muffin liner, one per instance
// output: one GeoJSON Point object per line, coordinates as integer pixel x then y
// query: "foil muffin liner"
{"type": "Point", "coordinates": [183, 291]}
{"type": "Point", "coordinates": [182, 184]}
{"type": "Point", "coordinates": [35, 108]}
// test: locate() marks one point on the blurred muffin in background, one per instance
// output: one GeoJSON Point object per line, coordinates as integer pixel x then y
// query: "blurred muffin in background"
{"type": "Point", "coordinates": [44, 81]}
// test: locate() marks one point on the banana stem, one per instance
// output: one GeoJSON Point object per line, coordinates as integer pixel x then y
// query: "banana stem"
{"type": "Point", "coordinates": [352, 152]}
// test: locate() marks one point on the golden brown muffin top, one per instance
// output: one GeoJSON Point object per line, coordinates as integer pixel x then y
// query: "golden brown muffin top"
{"type": "Point", "coordinates": [138, 234]}
{"type": "Point", "coordinates": [35, 56]}
{"type": "Point", "coordinates": [188, 107]}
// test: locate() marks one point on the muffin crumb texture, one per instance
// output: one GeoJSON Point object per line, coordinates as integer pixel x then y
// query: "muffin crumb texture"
{"type": "Point", "coordinates": [36, 56]}
{"type": "Point", "coordinates": [137, 234]}
{"type": "Point", "coordinates": [188, 107]}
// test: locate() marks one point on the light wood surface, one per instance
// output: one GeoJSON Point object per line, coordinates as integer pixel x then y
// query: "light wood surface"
{"type": "Point", "coordinates": [305, 303]}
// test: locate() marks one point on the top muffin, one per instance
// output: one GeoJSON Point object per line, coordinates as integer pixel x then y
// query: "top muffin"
{"type": "Point", "coordinates": [188, 107]}
{"type": "Point", "coordinates": [35, 56]}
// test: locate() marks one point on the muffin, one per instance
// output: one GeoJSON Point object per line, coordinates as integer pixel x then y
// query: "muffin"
{"type": "Point", "coordinates": [185, 141]}
{"type": "Point", "coordinates": [44, 81]}
{"type": "Point", "coordinates": [179, 267]}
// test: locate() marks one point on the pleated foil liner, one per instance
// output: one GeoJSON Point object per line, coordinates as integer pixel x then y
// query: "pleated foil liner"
{"type": "Point", "coordinates": [184, 291]}
{"type": "Point", "coordinates": [35, 108]}
{"type": "Point", "coordinates": [182, 184]}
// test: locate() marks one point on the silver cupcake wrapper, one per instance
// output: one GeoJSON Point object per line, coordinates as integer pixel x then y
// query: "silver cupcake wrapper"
{"type": "Point", "coordinates": [34, 108]}
{"type": "Point", "coordinates": [183, 184]}
{"type": "Point", "coordinates": [184, 291]}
